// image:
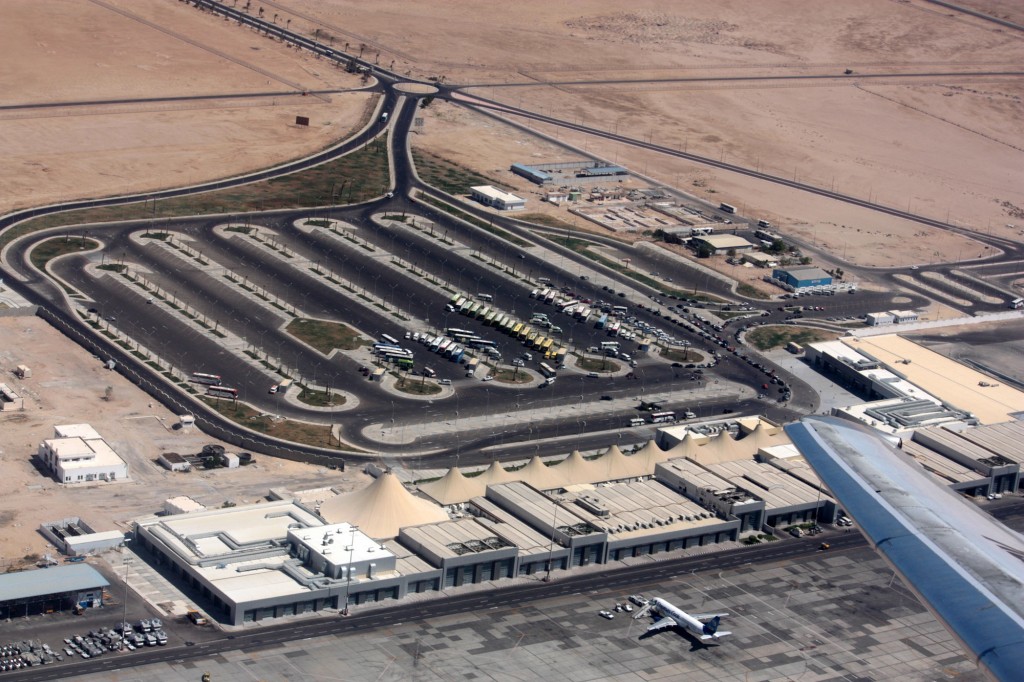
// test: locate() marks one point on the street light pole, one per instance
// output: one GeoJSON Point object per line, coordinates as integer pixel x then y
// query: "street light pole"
{"type": "Point", "coordinates": [348, 580]}
{"type": "Point", "coordinates": [124, 605]}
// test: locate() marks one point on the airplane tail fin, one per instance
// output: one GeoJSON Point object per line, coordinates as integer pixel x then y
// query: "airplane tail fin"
{"type": "Point", "coordinates": [711, 627]}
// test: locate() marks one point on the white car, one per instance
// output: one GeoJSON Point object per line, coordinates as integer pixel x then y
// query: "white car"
{"type": "Point", "coordinates": [489, 377]}
{"type": "Point", "coordinates": [606, 614]}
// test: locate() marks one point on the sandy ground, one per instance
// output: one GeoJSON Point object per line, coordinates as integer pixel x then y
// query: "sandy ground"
{"type": "Point", "coordinates": [66, 387]}
{"type": "Point", "coordinates": [945, 147]}
{"type": "Point", "coordinates": [108, 50]}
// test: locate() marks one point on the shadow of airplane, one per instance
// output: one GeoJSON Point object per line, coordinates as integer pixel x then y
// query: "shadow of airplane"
{"type": "Point", "coordinates": [695, 643]}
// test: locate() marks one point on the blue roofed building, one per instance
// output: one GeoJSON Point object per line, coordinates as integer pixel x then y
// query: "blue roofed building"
{"type": "Point", "coordinates": [802, 278]}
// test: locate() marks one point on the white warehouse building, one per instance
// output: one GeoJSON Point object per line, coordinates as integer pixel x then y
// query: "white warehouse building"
{"type": "Point", "coordinates": [78, 454]}
{"type": "Point", "coordinates": [497, 198]}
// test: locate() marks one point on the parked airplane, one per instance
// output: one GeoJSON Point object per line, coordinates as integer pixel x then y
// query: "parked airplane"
{"type": "Point", "coordinates": [672, 616]}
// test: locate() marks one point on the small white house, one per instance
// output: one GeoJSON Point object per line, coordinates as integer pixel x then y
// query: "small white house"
{"type": "Point", "coordinates": [172, 461]}
{"type": "Point", "coordinates": [77, 454]}
{"type": "Point", "coordinates": [497, 198]}
{"type": "Point", "coordinates": [903, 316]}
{"type": "Point", "coordinates": [230, 460]}
{"type": "Point", "coordinates": [879, 319]}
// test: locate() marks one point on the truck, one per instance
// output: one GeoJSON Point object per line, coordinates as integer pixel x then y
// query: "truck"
{"type": "Point", "coordinates": [197, 618]}
{"type": "Point", "coordinates": [471, 367]}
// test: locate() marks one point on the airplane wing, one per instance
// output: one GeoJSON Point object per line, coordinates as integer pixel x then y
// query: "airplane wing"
{"type": "Point", "coordinates": [708, 616]}
{"type": "Point", "coordinates": [661, 624]}
{"type": "Point", "coordinates": [966, 567]}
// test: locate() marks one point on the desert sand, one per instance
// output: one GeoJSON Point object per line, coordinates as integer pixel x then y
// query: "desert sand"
{"type": "Point", "coordinates": [117, 52]}
{"type": "Point", "coordinates": [943, 143]}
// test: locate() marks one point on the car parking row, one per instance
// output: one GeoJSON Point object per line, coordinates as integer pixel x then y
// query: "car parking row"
{"type": "Point", "coordinates": [26, 654]}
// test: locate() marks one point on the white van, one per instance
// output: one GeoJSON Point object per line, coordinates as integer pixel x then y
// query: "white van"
{"type": "Point", "coordinates": [593, 375]}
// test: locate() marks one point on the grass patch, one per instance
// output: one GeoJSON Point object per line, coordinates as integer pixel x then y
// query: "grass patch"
{"type": "Point", "coordinates": [320, 398]}
{"type": "Point", "coordinates": [417, 386]}
{"type": "Point", "coordinates": [598, 364]}
{"type": "Point", "coordinates": [362, 175]}
{"type": "Point", "coordinates": [546, 220]}
{"type": "Point", "coordinates": [511, 376]}
{"type": "Point", "coordinates": [287, 429]}
{"type": "Point", "coordinates": [59, 246]}
{"type": "Point", "coordinates": [318, 222]}
{"type": "Point", "coordinates": [750, 291]}
{"type": "Point", "coordinates": [766, 338]}
{"type": "Point", "coordinates": [681, 355]}
{"type": "Point", "coordinates": [445, 175]}
{"type": "Point", "coordinates": [325, 336]}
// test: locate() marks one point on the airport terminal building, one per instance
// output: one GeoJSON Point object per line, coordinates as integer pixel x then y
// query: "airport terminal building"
{"type": "Point", "coordinates": [281, 558]}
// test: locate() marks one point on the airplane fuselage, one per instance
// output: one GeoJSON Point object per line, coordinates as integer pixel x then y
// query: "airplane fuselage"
{"type": "Point", "coordinates": [682, 619]}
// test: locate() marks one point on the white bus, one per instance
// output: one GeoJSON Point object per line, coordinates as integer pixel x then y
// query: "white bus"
{"type": "Point", "coordinates": [202, 378]}
{"type": "Point", "coordinates": [222, 392]}
{"type": "Point", "coordinates": [727, 208]}
{"type": "Point", "coordinates": [636, 421]}
{"type": "Point", "coordinates": [662, 417]}
{"type": "Point", "coordinates": [547, 370]}
{"type": "Point", "coordinates": [485, 297]}
{"type": "Point", "coordinates": [386, 338]}
{"type": "Point", "coordinates": [1017, 303]}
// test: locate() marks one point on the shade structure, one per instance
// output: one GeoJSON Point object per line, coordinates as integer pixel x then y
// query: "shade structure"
{"type": "Point", "coordinates": [382, 508]}
{"type": "Point", "coordinates": [687, 447]}
{"type": "Point", "coordinates": [574, 469]}
{"type": "Point", "coordinates": [539, 475]}
{"type": "Point", "coordinates": [454, 487]}
{"type": "Point", "coordinates": [496, 473]}
{"type": "Point", "coordinates": [721, 448]}
{"type": "Point", "coordinates": [649, 456]}
{"type": "Point", "coordinates": [764, 436]}
{"type": "Point", "coordinates": [613, 465]}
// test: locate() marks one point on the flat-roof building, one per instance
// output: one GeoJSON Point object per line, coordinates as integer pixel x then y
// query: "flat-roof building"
{"type": "Point", "coordinates": [787, 500]}
{"type": "Point", "coordinates": [9, 400]}
{"type": "Point", "coordinates": [77, 454]}
{"type": "Point", "coordinates": [723, 243]}
{"type": "Point", "coordinates": [29, 593]}
{"type": "Point", "coordinates": [497, 198]}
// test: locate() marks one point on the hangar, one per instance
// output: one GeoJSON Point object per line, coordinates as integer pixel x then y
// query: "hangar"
{"type": "Point", "coordinates": [802, 278]}
{"type": "Point", "coordinates": [29, 593]}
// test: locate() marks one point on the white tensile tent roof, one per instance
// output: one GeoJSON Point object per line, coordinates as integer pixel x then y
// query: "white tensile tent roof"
{"type": "Point", "coordinates": [454, 487]}
{"type": "Point", "coordinates": [382, 508]}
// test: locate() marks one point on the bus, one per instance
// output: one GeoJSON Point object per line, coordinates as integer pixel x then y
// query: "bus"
{"type": "Point", "coordinates": [203, 378]}
{"type": "Point", "coordinates": [636, 421]}
{"type": "Point", "coordinates": [531, 337]}
{"type": "Point", "coordinates": [726, 208]}
{"type": "Point", "coordinates": [549, 297]}
{"type": "Point", "coordinates": [546, 346]}
{"type": "Point", "coordinates": [404, 363]}
{"type": "Point", "coordinates": [516, 329]}
{"type": "Point", "coordinates": [547, 370]}
{"type": "Point", "coordinates": [489, 320]}
{"type": "Point", "coordinates": [455, 354]}
{"type": "Point", "coordinates": [386, 338]}
{"type": "Point", "coordinates": [471, 367]}
{"type": "Point", "coordinates": [613, 328]}
{"type": "Point", "coordinates": [483, 312]}
{"type": "Point", "coordinates": [620, 309]}
{"type": "Point", "coordinates": [485, 297]}
{"type": "Point", "coordinates": [471, 312]}
{"type": "Point", "coordinates": [601, 321]}
{"type": "Point", "coordinates": [1017, 303]}
{"type": "Point", "coordinates": [466, 305]}
{"type": "Point", "coordinates": [560, 358]}
{"type": "Point", "coordinates": [533, 294]}
{"type": "Point", "coordinates": [222, 392]}
{"type": "Point", "coordinates": [443, 346]}
{"type": "Point", "coordinates": [452, 331]}
{"type": "Point", "coordinates": [662, 417]}
{"type": "Point", "coordinates": [483, 343]}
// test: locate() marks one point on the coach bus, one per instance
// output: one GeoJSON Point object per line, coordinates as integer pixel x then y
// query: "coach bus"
{"type": "Point", "coordinates": [547, 370]}
{"type": "Point", "coordinates": [202, 378]}
{"type": "Point", "coordinates": [222, 392]}
{"type": "Point", "coordinates": [662, 417]}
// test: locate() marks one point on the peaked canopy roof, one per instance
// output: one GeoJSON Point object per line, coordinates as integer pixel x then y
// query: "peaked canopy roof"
{"type": "Point", "coordinates": [496, 474]}
{"type": "Point", "coordinates": [382, 508]}
{"type": "Point", "coordinates": [455, 487]}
